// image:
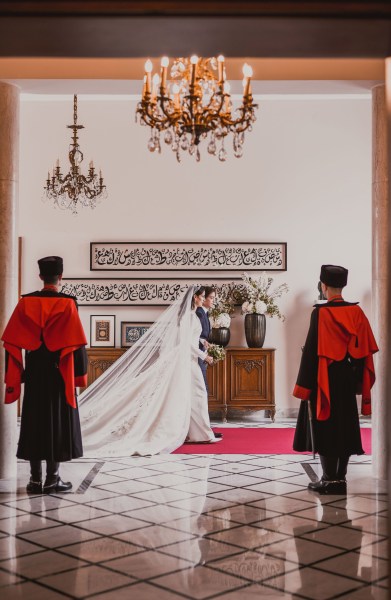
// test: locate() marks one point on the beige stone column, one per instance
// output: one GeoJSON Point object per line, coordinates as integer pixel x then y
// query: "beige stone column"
{"type": "Point", "coordinates": [9, 167]}
{"type": "Point", "coordinates": [380, 271]}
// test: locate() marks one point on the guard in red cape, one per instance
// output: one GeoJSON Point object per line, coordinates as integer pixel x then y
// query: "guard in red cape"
{"type": "Point", "coordinates": [336, 364]}
{"type": "Point", "coordinates": [47, 326]}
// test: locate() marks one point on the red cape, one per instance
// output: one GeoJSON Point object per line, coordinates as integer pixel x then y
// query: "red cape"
{"type": "Point", "coordinates": [341, 331]}
{"type": "Point", "coordinates": [37, 319]}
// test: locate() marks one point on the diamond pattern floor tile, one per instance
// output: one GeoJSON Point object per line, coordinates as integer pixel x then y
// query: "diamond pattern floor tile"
{"type": "Point", "coordinates": [30, 591]}
{"type": "Point", "coordinates": [7, 579]}
{"type": "Point", "coordinates": [200, 550]}
{"type": "Point", "coordinates": [159, 514]}
{"type": "Point", "coordinates": [112, 524]}
{"type": "Point", "coordinates": [238, 527]}
{"type": "Point", "coordinates": [101, 549]}
{"type": "Point", "coordinates": [372, 592]}
{"type": "Point", "coordinates": [200, 582]}
{"type": "Point", "coordinates": [342, 537]}
{"type": "Point", "coordinates": [258, 592]}
{"type": "Point", "coordinates": [143, 591]}
{"type": "Point", "coordinates": [25, 522]}
{"type": "Point", "coordinates": [147, 565]}
{"type": "Point", "coordinates": [242, 513]}
{"type": "Point", "coordinates": [301, 551]}
{"type": "Point", "coordinates": [40, 564]}
{"type": "Point", "coordinates": [313, 584]}
{"type": "Point", "coordinates": [86, 581]}
{"type": "Point", "coordinates": [253, 566]}
{"type": "Point", "coordinates": [365, 568]}
{"type": "Point", "coordinates": [154, 536]}
{"type": "Point", "coordinates": [11, 546]}
{"type": "Point", "coordinates": [248, 537]}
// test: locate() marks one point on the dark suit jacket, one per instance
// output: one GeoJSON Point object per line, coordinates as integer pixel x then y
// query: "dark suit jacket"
{"type": "Point", "coordinates": [203, 317]}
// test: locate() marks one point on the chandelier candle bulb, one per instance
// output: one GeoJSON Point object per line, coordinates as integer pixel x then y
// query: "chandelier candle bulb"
{"type": "Point", "coordinates": [155, 84]}
{"type": "Point", "coordinates": [148, 71]}
{"type": "Point", "coordinates": [227, 89]}
{"type": "Point", "coordinates": [193, 61]}
{"type": "Point", "coordinates": [247, 72]}
{"type": "Point", "coordinates": [220, 65]}
{"type": "Point", "coordinates": [144, 86]}
{"type": "Point", "coordinates": [164, 65]}
{"type": "Point", "coordinates": [175, 91]}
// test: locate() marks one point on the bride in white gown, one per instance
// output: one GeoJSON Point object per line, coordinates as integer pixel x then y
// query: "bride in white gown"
{"type": "Point", "coordinates": [153, 397]}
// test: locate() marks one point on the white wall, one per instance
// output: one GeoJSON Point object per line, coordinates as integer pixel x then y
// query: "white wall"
{"type": "Point", "coordinates": [305, 178]}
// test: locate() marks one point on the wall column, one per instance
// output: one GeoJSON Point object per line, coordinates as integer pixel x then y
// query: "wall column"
{"type": "Point", "coordinates": [9, 168]}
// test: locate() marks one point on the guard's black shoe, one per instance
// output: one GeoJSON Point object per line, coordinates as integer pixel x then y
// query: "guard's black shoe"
{"type": "Point", "coordinates": [328, 487]}
{"type": "Point", "coordinates": [315, 485]}
{"type": "Point", "coordinates": [34, 487]}
{"type": "Point", "coordinates": [57, 487]}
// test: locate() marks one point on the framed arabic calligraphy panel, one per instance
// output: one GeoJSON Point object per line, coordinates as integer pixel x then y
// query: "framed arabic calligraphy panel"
{"type": "Point", "coordinates": [188, 256]}
{"type": "Point", "coordinates": [139, 292]}
{"type": "Point", "coordinates": [132, 331]}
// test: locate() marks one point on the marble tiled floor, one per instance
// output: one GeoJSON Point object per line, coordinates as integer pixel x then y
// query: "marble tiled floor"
{"type": "Point", "coordinates": [233, 527]}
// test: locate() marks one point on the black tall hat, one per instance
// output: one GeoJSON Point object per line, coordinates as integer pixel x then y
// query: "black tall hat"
{"type": "Point", "coordinates": [334, 276]}
{"type": "Point", "coordinates": [50, 265]}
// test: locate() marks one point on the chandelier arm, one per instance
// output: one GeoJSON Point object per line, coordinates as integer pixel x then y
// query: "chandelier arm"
{"type": "Point", "coordinates": [170, 118]}
{"type": "Point", "coordinates": [247, 111]}
{"type": "Point", "coordinates": [150, 119]}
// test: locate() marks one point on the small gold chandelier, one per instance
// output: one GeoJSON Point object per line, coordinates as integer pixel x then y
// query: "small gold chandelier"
{"type": "Point", "coordinates": [74, 188]}
{"type": "Point", "coordinates": [197, 103]}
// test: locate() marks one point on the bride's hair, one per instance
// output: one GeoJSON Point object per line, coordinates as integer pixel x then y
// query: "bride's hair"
{"type": "Point", "coordinates": [197, 292]}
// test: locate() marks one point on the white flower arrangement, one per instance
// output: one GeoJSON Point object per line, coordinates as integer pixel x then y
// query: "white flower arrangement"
{"type": "Point", "coordinates": [221, 320]}
{"type": "Point", "coordinates": [219, 315]}
{"type": "Point", "coordinates": [258, 298]}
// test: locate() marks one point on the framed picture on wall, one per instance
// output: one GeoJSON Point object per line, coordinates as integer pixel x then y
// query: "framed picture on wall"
{"type": "Point", "coordinates": [132, 331]}
{"type": "Point", "coordinates": [102, 331]}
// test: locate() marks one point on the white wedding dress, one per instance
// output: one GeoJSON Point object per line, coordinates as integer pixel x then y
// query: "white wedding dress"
{"type": "Point", "coordinates": [153, 397]}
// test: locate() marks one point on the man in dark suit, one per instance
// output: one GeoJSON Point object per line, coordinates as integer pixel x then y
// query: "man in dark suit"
{"type": "Point", "coordinates": [202, 314]}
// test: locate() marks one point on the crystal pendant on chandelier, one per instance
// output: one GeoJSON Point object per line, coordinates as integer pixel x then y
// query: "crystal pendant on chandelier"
{"type": "Point", "coordinates": [194, 106]}
{"type": "Point", "coordinates": [75, 189]}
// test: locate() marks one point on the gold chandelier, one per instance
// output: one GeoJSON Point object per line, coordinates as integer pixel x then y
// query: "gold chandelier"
{"type": "Point", "coordinates": [74, 188]}
{"type": "Point", "coordinates": [194, 105]}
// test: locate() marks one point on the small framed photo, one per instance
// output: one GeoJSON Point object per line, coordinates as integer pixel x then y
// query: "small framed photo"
{"type": "Point", "coordinates": [132, 331]}
{"type": "Point", "coordinates": [102, 331]}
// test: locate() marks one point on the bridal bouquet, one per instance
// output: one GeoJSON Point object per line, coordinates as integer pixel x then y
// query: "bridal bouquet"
{"type": "Point", "coordinates": [258, 297]}
{"type": "Point", "coordinates": [219, 315]}
{"type": "Point", "coordinates": [216, 352]}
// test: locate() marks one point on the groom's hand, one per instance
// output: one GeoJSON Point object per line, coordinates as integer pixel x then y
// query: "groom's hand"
{"type": "Point", "coordinates": [209, 360]}
{"type": "Point", "coordinates": [206, 345]}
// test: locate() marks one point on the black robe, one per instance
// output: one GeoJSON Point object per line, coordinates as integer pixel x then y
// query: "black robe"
{"type": "Point", "coordinates": [50, 427]}
{"type": "Point", "coordinates": [339, 435]}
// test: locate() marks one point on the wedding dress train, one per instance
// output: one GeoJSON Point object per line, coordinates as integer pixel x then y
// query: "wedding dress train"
{"type": "Point", "coordinates": [154, 395]}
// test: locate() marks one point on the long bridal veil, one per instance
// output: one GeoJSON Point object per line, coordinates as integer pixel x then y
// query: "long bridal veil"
{"type": "Point", "coordinates": [142, 403]}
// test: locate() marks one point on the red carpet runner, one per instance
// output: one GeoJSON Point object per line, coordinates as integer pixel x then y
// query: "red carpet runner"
{"type": "Point", "coordinates": [254, 440]}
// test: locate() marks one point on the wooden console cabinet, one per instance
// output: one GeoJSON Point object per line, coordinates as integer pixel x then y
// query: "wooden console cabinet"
{"type": "Point", "coordinates": [244, 380]}
{"type": "Point", "coordinates": [100, 359]}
